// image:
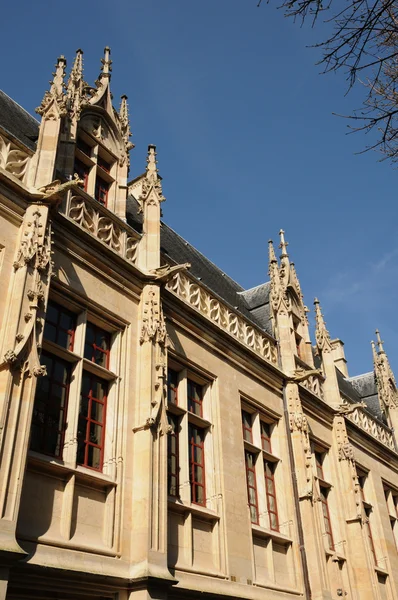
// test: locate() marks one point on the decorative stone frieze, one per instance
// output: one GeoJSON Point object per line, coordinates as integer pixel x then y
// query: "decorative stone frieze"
{"type": "Point", "coordinates": [191, 292]}
{"type": "Point", "coordinates": [94, 218]}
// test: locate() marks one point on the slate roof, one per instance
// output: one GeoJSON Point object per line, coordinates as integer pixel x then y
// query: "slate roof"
{"type": "Point", "coordinates": [365, 386]}
{"type": "Point", "coordinates": [16, 121]}
{"type": "Point", "coordinates": [178, 250]}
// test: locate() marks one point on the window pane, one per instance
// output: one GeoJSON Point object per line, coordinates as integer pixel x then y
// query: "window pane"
{"type": "Point", "coordinates": [172, 385]}
{"type": "Point", "coordinates": [195, 398]}
{"type": "Point", "coordinates": [89, 431]}
{"type": "Point", "coordinates": [253, 514]}
{"type": "Point", "coordinates": [273, 519]}
{"type": "Point", "coordinates": [50, 332]}
{"type": "Point", "coordinates": [49, 411]}
{"type": "Point", "coordinates": [94, 457]}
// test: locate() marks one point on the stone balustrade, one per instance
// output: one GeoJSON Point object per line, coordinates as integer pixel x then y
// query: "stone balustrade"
{"type": "Point", "coordinates": [13, 159]}
{"type": "Point", "coordinates": [370, 425]}
{"type": "Point", "coordinates": [199, 298]}
{"type": "Point", "coordinates": [314, 385]}
{"type": "Point", "coordinates": [97, 220]}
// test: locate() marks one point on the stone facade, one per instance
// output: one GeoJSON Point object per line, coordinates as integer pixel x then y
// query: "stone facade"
{"type": "Point", "coordinates": [164, 433]}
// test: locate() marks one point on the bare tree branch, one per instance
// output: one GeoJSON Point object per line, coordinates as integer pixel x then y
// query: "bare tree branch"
{"type": "Point", "coordinates": [364, 41]}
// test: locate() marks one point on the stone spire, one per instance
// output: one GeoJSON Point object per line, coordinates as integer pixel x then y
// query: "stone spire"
{"type": "Point", "coordinates": [386, 384]}
{"type": "Point", "coordinates": [55, 97]}
{"type": "Point", "coordinates": [152, 178]}
{"type": "Point", "coordinates": [75, 87]}
{"type": "Point", "coordinates": [102, 95]}
{"type": "Point", "coordinates": [321, 333]}
{"type": "Point", "coordinates": [125, 125]}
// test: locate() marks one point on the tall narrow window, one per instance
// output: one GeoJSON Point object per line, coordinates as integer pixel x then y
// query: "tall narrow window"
{"type": "Point", "coordinates": [324, 489]}
{"type": "Point", "coordinates": [172, 387]}
{"type": "Point", "coordinates": [49, 411]}
{"type": "Point", "coordinates": [326, 516]}
{"type": "Point", "coordinates": [367, 510]}
{"type": "Point", "coordinates": [197, 465]}
{"type": "Point", "coordinates": [391, 496]}
{"type": "Point", "coordinates": [250, 461]}
{"type": "Point", "coordinates": [247, 426]}
{"type": "Point", "coordinates": [172, 457]}
{"type": "Point", "coordinates": [91, 428]}
{"type": "Point", "coordinates": [195, 398]}
{"type": "Point", "coordinates": [269, 469]}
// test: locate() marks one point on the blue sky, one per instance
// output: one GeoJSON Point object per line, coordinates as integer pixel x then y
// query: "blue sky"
{"type": "Point", "coordinates": [247, 143]}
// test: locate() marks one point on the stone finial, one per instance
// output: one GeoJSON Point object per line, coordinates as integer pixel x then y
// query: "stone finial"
{"type": "Point", "coordinates": [386, 384]}
{"type": "Point", "coordinates": [271, 253]}
{"type": "Point", "coordinates": [56, 93]}
{"type": "Point", "coordinates": [151, 164]}
{"type": "Point", "coordinates": [106, 62]}
{"type": "Point", "coordinates": [283, 244]}
{"type": "Point", "coordinates": [379, 342]}
{"type": "Point", "coordinates": [321, 333]}
{"type": "Point", "coordinates": [75, 87]}
{"type": "Point", "coordinates": [152, 179]}
{"type": "Point", "coordinates": [125, 121]}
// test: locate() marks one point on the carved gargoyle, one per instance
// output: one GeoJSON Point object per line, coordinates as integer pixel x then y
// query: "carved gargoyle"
{"type": "Point", "coordinates": [302, 374]}
{"type": "Point", "coordinates": [56, 189]}
{"type": "Point", "coordinates": [345, 408]}
{"type": "Point", "coordinates": [167, 272]}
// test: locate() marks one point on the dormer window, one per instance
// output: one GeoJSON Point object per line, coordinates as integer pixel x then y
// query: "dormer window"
{"type": "Point", "coordinates": [96, 166]}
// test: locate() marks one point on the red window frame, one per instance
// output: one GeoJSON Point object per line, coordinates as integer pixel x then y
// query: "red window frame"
{"type": "Point", "coordinates": [326, 515]}
{"type": "Point", "coordinates": [194, 465]}
{"type": "Point", "coordinates": [61, 420]}
{"type": "Point", "coordinates": [195, 406]}
{"type": "Point", "coordinates": [172, 387]}
{"type": "Point", "coordinates": [266, 436]}
{"type": "Point", "coordinates": [104, 164]}
{"type": "Point", "coordinates": [252, 500]}
{"type": "Point", "coordinates": [101, 191]}
{"type": "Point", "coordinates": [94, 346]}
{"type": "Point", "coordinates": [83, 171]}
{"type": "Point", "coordinates": [247, 430]}
{"type": "Point", "coordinates": [86, 442]}
{"type": "Point", "coordinates": [173, 453]}
{"type": "Point", "coordinates": [57, 324]}
{"type": "Point", "coordinates": [272, 505]}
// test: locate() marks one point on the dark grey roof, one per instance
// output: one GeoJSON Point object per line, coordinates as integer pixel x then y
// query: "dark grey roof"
{"type": "Point", "coordinates": [15, 120]}
{"type": "Point", "coordinates": [178, 250]}
{"type": "Point", "coordinates": [257, 299]}
{"type": "Point", "coordinates": [362, 388]}
{"type": "Point", "coordinates": [366, 387]}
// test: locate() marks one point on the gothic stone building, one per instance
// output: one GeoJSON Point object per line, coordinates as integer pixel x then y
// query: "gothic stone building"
{"type": "Point", "coordinates": [164, 433]}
